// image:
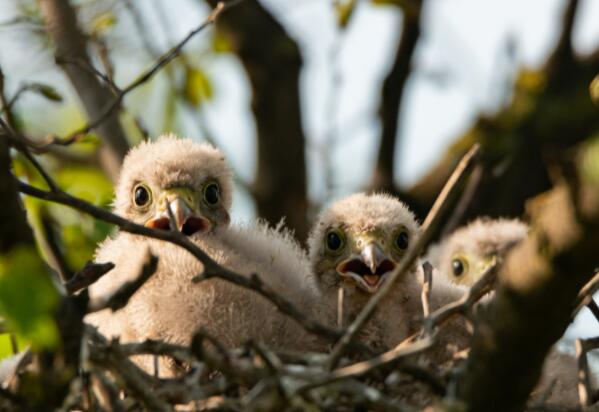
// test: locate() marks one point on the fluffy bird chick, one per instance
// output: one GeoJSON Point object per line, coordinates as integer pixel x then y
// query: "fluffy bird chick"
{"type": "Point", "coordinates": [463, 257]}
{"type": "Point", "coordinates": [465, 254]}
{"type": "Point", "coordinates": [356, 244]}
{"type": "Point", "coordinates": [192, 178]}
{"type": "Point", "coordinates": [169, 306]}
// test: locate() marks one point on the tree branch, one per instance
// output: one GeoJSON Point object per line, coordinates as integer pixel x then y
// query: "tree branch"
{"type": "Point", "coordinates": [392, 96]}
{"type": "Point", "coordinates": [539, 284]}
{"type": "Point", "coordinates": [71, 44]}
{"type": "Point", "coordinates": [273, 62]}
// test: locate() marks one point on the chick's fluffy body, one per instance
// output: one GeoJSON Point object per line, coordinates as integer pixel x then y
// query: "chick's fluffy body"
{"type": "Point", "coordinates": [400, 313]}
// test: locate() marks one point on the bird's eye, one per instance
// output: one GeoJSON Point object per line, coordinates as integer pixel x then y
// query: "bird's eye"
{"type": "Point", "coordinates": [458, 267]}
{"type": "Point", "coordinates": [211, 193]}
{"type": "Point", "coordinates": [141, 195]}
{"type": "Point", "coordinates": [334, 240]}
{"type": "Point", "coordinates": [402, 240]}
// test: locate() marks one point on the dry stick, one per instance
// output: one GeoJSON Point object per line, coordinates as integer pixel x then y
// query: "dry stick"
{"type": "Point", "coordinates": [14, 346]}
{"type": "Point", "coordinates": [584, 383]}
{"type": "Point", "coordinates": [18, 143]}
{"type": "Point", "coordinates": [585, 297]}
{"type": "Point", "coordinates": [121, 297]}
{"type": "Point", "coordinates": [340, 305]}
{"type": "Point", "coordinates": [146, 76]}
{"type": "Point", "coordinates": [429, 225]}
{"type": "Point", "coordinates": [427, 287]}
{"type": "Point", "coordinates": [90, 273]}
{"type": "Point", "coordinates": [109, 357]}
{"type": "Point", "coordinates": [211, 267]}
{"type": "Point", "coordinates": [158, 348]}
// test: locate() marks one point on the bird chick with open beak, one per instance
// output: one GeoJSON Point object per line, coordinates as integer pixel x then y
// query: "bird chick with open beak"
{"type": "Point", "coordinates": [195, 181]}
{"type": "Point", "coordinates": [355, 245]}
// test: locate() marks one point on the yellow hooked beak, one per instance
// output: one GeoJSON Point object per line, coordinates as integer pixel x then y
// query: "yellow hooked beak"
{"type": "Point", "coordinates": [368, 267]}
{"type": "Point", "coordinates": [187, 219]}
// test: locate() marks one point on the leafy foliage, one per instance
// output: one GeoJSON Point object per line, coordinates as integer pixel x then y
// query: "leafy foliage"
{"type": "Point", "coordinates": [27, 297]}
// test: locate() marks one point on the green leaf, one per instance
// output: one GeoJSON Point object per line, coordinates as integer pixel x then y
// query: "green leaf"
{"type": "Point", "coordinates": [28, 298]}
{"type": "Point", "coordinates": [86, 183]}
{"type": "Point", "coordinates": [197, 86]}
{"type": "Point", "coordinates": [344, 10]}
{"type": "Point", "coordinates": [103, 22]}
{"type": "Point", "coordinates": [594, 90]}
{"type": "Point", "coordinates": [221, 42]}
{"type": "Point", "coordinates": [47, 91]}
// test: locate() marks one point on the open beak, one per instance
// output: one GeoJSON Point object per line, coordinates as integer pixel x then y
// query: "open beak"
{"type": "Point", "coordinates": [187, 221]}
{"type": "Point", "coordinates": [368, 268]}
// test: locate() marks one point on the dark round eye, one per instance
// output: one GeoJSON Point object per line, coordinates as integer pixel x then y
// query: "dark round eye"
{"type": "Point", "coordinates": [141, 195]}
{"type": "Point", "coordinates": [401, 241]}
{"type": "Point", "coordinates": [334, 241]}
{"type": "Point", "coordinates": [457, 267]}
{"type": "Point", "coordinates": [211, 194]}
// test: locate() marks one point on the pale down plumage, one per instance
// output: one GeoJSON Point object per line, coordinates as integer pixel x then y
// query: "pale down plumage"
{"type": "Point", "coordinates": [196, 181]}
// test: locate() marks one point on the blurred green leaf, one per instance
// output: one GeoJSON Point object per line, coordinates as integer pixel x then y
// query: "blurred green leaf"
{"type": "Point", "coordinates": [28, 297]}
{"type": "Point", "coordinates": [594, 89]}
{"type": "Point", "coordinates": [86, 183]}
{"type": "Point", "coordinates": [47, 91]}
{"type": "Point", "coordinates": [399, 3]}
{"type": "Point", "coordinates": [221, 42]}
{"type": "Point", "coordinates": [197, 86]}
{"type": "Point", "coordinates": [103, 22]}
{"type": "Point", "coordinates": [344, 10]}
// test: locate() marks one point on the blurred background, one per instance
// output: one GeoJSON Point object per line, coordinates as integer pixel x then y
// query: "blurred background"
{"type": "Point", "coordinates": [309, 99]}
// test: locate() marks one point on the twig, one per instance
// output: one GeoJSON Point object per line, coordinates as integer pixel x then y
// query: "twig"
{"type": "Point", "coordinates": [427, 286]}
{"type": "Point", "coordinates": [340, 306]}
{"type": "Point", "coordinates": [19, 144]}
{"type": "Point", "coordinates": [90, 273]}
{"type": "Point", "coordinates": [121, 297]}
{"type": "Point", "coordinates": [110, 390]}
{"type": "Point", "coordinates": [585, 296]}
{"type": "Point", "coordinates": [584, 382]}
{"type": "Point", "coordinates": [110, 357]}
{"type": "Point", "coordinates": [429, 225]}
{"type": "Point", "coordinates": [158, 348]}
{"type": "Point", "coordinates": [143, 78]}
{"type": "Point", "coordinates": [14, 346]}
{"type": "Point", "coordinates": [401, 351]}
{"type": "Point", "coordinates": [84, 65]}
{"type": "Point", "coordinates": [594, 308]}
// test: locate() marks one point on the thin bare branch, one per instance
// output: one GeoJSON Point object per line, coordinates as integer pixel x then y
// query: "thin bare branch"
{"type": "Point", "coordinates": [427, 287]}
{"type": "Point", "coordinates": [143, 78]}
{"type": "Point", "coordinates": [120, 298]}
{"type": "Point", "coordinates": [90, 273]}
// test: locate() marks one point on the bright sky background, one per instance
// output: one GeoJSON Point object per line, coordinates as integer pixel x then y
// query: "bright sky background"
{"type": "Point", "coordinates": [461, 69]}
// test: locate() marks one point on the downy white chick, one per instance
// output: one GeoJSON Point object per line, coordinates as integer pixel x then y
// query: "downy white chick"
{"type": "Point", "coordinates": [462, 258]}
{"type": "Point", "coordinates": [197, 183]}
{"type": "Point", "coordinates": [464, 255]}
{"type": "Point", "coordinates": [355, 244]}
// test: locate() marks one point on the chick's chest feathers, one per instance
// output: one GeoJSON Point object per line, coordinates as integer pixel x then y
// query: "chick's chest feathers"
{"type": "Point", "coordinates": [169, 306]}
